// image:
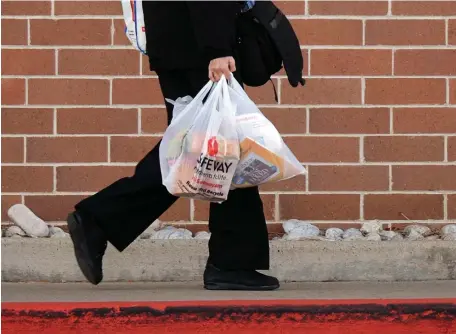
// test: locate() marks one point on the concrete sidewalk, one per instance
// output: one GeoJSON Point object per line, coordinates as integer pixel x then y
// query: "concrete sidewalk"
{"type": "Point", "coordinates": [119, 292]}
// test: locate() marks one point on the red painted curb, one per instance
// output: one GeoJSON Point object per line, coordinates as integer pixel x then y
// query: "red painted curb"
{"type": "Point", "coordinates": [424, 316]}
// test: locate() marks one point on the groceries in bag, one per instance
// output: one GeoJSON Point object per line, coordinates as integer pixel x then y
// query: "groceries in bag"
{"type": "Point", "coordinates": [265, 158]}
{"type": "Point", "coordinates": [200, 151]}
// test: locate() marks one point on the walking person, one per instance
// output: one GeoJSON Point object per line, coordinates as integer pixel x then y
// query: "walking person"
{"type": "Point", "coordinates": [188, 43]}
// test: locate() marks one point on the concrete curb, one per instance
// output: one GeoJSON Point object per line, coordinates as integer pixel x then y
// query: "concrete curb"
{"type": "Point", "coordinates": [52, 260]}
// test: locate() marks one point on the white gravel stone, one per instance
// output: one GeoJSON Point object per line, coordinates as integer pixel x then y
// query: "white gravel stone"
{"type": "Point", "coordinates": [290, 225]}
{"type": "Point", "coordinates": [371, 227]}
{"type": "Point", "coordinates": [449, 237]}
{"type": "Point", "coordinates": [448, 229]}
{"type": "Point", "coordinates": [28, 221]}
{"type": "Point", "coordinates": [60, 234]}
{"type": "Point", "coordinates": [202, 235]}
{"type": "Point", "coordinates": [54, 229]}
{"type": "Point", "coordinates": [170, 232]}
{"type": "Point", "coordinates": [334, 233]}
{"type": "Point", "coordinates": [414, 235]}
{"type": "Point", "coordinates": [14, 230]}
{"type": "Point", "coordinates": [353, 234]}
{"type": "Point", "coordinates": [373, 237]}
{"type": "Point", "coordinates": [432, 237]}
{"type": "Point", "coordinates": [420, 229]}
{"type": "Point", "coordinates": [390, 236]}
{"type": "Point", "coordinates": [303, 230]}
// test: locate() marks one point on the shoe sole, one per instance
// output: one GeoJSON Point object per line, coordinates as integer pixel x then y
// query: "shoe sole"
{"type": "Point", "coordinates": [240, 287]}
{"type": "Point", "coordinates": [75, 231]}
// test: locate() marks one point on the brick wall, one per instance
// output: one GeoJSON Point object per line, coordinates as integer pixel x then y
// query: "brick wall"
{"type": "Point", "coordinates": [375, 125]}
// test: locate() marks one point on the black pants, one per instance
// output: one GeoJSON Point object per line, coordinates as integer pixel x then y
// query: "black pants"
{"type": "Point", "coordinates": [123, 210]}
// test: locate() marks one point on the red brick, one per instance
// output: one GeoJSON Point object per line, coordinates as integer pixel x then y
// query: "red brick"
{"type": "Point", "coordinates": [323, 91]}
{"type": "Point", "coordinates": [88, 8]}
{"type": "Point", "coordinates": [119, 33]}
{"type": "Point", "coordinates": [452, 91]}
{"type": "Point", "coordinates": [67, 149]}
{"type": "Point", "coordinates": [432, 7]}
{"type": "Point", "coordinates": [28, 8]}
{"type": "Point", "coordinates": [153, 120]}
{"type": "Point", "coordinates": [329, 32]}
{"type": "Point", "coordinates": [351, 62]}
{"type": "Point", "coordinates": [451, 32]}
{"type": "Point", "coordinates": [27, 121]}
{"type": "Point", "coordinates": [89, 178]}
{"type": "Point", "coordinates": [136, 91]}
{"type": "Point", "coordinates": [318, 7]}
{"type": "Point", "coordinates": [451, 206]}
{"type": "Point", "coordinates": [99, 62]}
{"type": "Point", "coordinates": [405, 91]}
{"type": "Point", "coordinates": [202, 208]}
{"type": "Point", "coordinates": [287, 120]}
{"type": "Point", "coordinates": [403, 148]}
{"type": "Point", "coordinates": [263, 94]}
{"type": "Point", "coordinates": [425, 62]}
{"type": "Point", "coordinates": [13, 91]}
{"type": "Point", "coordinates": [180, 211]}
{"type": "Point", "coordinates": [291, 7]}
{"type": "Point", "coordinates": [12, 149]}
{"type": "Point", "coordinates": [451, 148]}
{"type": "Point", "coordinates": [414, 207]}
{"type": "Point", "coordinates": [426, 178]}
{"type": "Point", "coordinates": [405, 32]}
{"type": "Point", "coordinates": [425, 120]}
{"type": "Point", "coordinates": [69, 91]}
{"type": "Point", "coordinates": [26, 179]}
{"type": "Point", "coordinates": [131, 149]}
{"type": "Point", "coordinates": [348, 178]}
{"type": "Point", "coordinates": [146, 66]}
{"type": "Point", "coordinates": [319, 207]}
{"type": "Point", "coordinates": [28, 62]}
{"type": "Point", "coordinates": [353, 120]}
{"type": "Point", "coordinates": [70, 32]}
{"type": "Point", "coordinates": [97, 120]}
{"type": "Point", "coordinates": [324, 149]}
{"type": "Point", "coordinates": [14, 32]}
{"type": "Point", "coordinates": [52, 207]}
{"type": "Point", "coordinates": [7, 202]}
{"type": "Point", "coordinates": [297, 183]}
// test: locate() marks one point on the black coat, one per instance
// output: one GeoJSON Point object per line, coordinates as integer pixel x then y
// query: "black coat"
{"type": "Point", "coordinates": [188, 34]}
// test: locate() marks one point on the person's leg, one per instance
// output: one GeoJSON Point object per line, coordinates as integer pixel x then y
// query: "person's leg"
{"type": "Point", "coordinates": [122, 211]}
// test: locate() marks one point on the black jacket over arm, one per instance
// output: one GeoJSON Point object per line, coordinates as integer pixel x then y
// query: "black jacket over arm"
{"type": "Point", "coordinates": [188, 34]}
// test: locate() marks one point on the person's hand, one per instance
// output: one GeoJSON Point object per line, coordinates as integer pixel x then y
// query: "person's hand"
{"type": "Point", "coordinates": [221, 66]}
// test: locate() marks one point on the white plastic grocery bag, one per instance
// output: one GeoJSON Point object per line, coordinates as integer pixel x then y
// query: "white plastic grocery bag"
{"type": "Point", "coordinates": [135, 28]}
{"type": "Point", "coordinates": [200, 149]}
{"type": "Point", "coordinates": [265, 157]}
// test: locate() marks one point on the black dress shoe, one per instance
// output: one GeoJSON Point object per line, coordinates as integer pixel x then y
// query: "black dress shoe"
{"type": "Point", "coordinates": [89, 246]}
{"type": "Point", "coordinates": [217, 279]}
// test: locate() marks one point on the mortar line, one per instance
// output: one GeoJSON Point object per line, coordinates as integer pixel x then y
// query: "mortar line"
{"type": "Point", "coordinates": [307, 167]}
{"type": "Point", "coordinates": [390, 6]}
{"type": "Point", "coordinates": [364, 31]}
{"type": "Point", "coordinates": [53, 8]}
{"type": "Point", "coordinates": [22, 199]}
{"type": "Point", "coordinates": [445, 147]}
{"type": "Point", "coordinates": [110, 91]}
{"type": "Point", "coordinates": [113, 29]}
{"type": "Point", "coordinates": [26, 91]}
{"type": "Point", "coordinates": [192, 210]}
{"type": "Point", "coordinates": [306, 7]}
{"type": "Point", "coordinates": [140, 64]}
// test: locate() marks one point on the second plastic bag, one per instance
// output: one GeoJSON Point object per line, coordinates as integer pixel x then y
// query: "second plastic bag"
{"type": "Point", "coordinates": [199, 152]}
{"type": "Point", "coordinates": [265, 157]}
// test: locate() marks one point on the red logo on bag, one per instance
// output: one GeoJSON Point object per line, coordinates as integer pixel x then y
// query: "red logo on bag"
{"type": "Point", "coordinates": [212, 146]}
